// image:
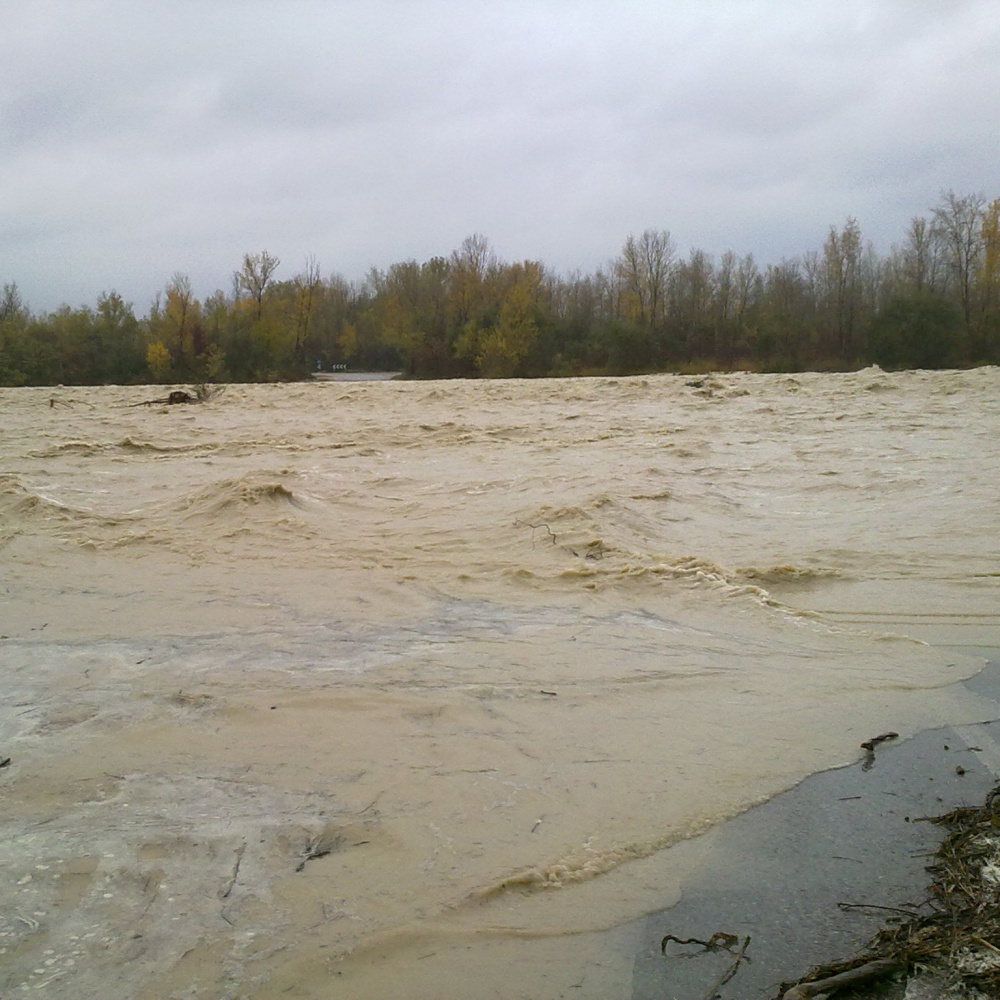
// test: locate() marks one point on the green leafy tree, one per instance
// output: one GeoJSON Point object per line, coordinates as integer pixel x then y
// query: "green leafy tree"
{"type": "Point", "coordinates": [784, 304]}
{"type": "Point", "coordinates": [923, 330]}
{"type": "Point", "coordinates": [262, 341]}
{"type": "Point", "coordinates": [13, 346]}
{"type": "Point", "coordinates": [502, 348]}
{"type": "Point", "coordinates": [117, 336]}
{"type": "Point", "coordinates": [415, 309]}
{"type": "Point", "coordinates": [158, 361]}
{"type": "Point", "coordinates": [987, 338]}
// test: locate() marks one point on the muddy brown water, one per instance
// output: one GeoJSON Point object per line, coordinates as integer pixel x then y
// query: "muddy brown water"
{"type": "Point", "coordinates": [486, 650]}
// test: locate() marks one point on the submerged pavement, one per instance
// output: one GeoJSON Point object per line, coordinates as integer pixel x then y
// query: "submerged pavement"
{"type": "Point", "coordinates": [805, 874]}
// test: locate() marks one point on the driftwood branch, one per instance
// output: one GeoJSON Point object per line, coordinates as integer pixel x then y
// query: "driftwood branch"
{"type": "Point", "coordinates": [536, 527]}
{"type": "Point", "coordinates": [729, 972]}
{"type": "Point", "coordinates": [177, 396]}
{"type": "Point", "coordinates": [863, 973]}
{"type": "Point", "coordinates": [719, 940]}
{"type": "Point", "coordinates": [236, 870]}
{"type": "Point", "coordinates": [200, 393]}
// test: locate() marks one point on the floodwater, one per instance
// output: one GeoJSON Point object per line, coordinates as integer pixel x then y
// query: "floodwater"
{"type": "Point", "coordinates": [399, 689]}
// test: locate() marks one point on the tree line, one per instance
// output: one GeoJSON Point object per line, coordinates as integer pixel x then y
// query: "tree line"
{"type": "Point", "coordinates": [932, 301]}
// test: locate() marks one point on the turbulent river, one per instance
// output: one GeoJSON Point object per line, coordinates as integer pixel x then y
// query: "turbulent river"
{"type": "Point", "coordinates": [385, 689]}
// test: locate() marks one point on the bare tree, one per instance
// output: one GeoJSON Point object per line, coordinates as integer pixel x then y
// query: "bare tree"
{"type": "Point", "coordinates": [173, 321]}
{"type": "Point", "coordinates": [958, 226]}
{"type": "Point", "coordinates": [920, 257]}
{"type": "Point", "coordinates": [471, 267]}
{"type": "Point", "coordinates": [692, 288]}
{"type": "Point", "coordinates": [735, 289]}
{"type": "Point", "coordinates": [11, 304]}
{"type": "Point", "coordinates": [475, 255]}
{"type": "Point", "coordinates": [644, 266]}
{"type": "Point", "coordinates": [254, 277]}
{"type": "Point", "coordinates": [307, 287]}
{"type": "Point", "coordinates": [842, 278]}
{"type": "Point", "coordinates": [748, 284]}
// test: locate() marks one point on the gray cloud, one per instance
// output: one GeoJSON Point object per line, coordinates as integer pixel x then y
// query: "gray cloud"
{"type": "Point", "coordinates": [137, 140]}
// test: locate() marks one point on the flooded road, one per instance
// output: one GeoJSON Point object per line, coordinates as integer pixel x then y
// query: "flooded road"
{"type": "Point", "coordinates": [408, 688]}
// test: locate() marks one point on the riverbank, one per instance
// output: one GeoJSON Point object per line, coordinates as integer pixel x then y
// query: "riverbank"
{"type": "Point", "coordinates": [346, 376]}
{"type": "Point", "coordinates": [812, 875]}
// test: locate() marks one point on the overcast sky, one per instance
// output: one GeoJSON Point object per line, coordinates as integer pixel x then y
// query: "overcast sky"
{"type": "Point", "coordinates": [139, 138]}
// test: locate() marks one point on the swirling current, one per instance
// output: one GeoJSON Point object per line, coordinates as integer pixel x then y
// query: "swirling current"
{"type": "Point", "coordinates": [402, 688]}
